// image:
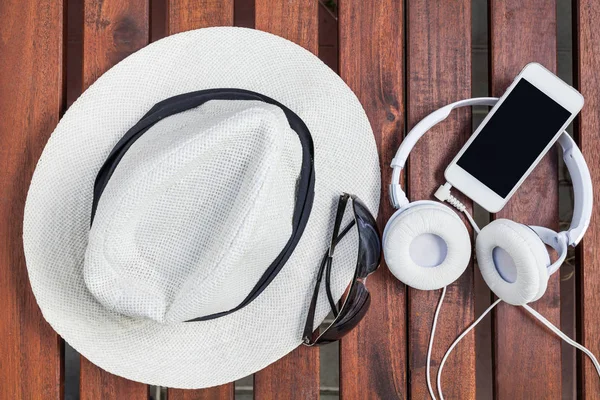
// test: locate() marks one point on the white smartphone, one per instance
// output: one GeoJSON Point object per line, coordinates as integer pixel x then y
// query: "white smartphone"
{"type": "Point", "coordinates": [514, 136]}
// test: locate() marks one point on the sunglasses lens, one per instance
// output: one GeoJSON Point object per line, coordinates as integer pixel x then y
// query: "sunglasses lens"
{"type": "Point", "coordinates": [354, 309]}
{"type": "Point", "coordinates": [369, 251]}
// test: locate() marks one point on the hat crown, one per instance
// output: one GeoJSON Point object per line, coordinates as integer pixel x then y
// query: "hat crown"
{"type": "Point", "coordinates": [192, 216]}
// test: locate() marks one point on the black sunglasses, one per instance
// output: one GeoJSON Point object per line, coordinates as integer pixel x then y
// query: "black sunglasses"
{"type": "Point", "coordinates": [357, 301]}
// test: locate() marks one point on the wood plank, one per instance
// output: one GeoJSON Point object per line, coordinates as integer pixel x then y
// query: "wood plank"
{"type": "Point", "coordinates": [97, 384]}
{"type": "Point", "coordinates": [328, 36]}
{"type": "Point", "coordinates": [184, 15]}
{"type": "Point", "coordinates": [31, 101]}
{"type": "Point", "coordinates": [439, 72]}
{"type": "Point", "coordinates": [74, 51]}
{"type": "Point", "coordinates": [216, 393]}
{"type": "Point", "coordinates": [294, 20]}
{"type": "Point", "coordinates": [587, 36]}
{"type": "Point", "coordinates": [159, 19]}
{"type": "Point", "coordinates": [112, 30]}
{"type": "Point", "coordinates": [221, 392]}
{"type": "Point", "coordinates": [522, 32]}
{"type": "Point", "coordinates": [371, 38]}
{"type": "Point", "coordinates": [296, 376]}
{"type": "Point", "coordinates": [243, 13]}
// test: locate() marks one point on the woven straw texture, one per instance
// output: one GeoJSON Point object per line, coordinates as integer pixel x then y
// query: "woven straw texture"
{"type": "Point", "coordinates": [162, 250]}
{"type": "Point", "coordinates": [196, 209]}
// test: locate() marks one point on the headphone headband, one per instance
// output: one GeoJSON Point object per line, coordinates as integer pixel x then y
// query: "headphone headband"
{"type": "Point", "coordinates": [578, 169]}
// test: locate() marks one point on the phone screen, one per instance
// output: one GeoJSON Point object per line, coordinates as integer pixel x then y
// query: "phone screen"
{"type": "Point", "coordinates": [513, 138]}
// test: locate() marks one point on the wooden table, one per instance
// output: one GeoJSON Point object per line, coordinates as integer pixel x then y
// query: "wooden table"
{"type": "Point", "coordinates": [403, 59]}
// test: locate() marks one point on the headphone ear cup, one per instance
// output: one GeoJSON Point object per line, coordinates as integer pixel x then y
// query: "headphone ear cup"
{"type": "Point", "coordinates": [451, 239]}
{"type": "Point", "coordinates": [523, 276]}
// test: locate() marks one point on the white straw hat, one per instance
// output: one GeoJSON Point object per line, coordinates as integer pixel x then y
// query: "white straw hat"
{"type": "Point", "coordinates": [201, 215]}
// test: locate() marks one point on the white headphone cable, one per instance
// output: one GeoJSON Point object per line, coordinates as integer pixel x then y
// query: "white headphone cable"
{"type": "Point", "coordinates": [453, 345]}
{"type": "Point", "coordinates": [533, 312]}
{"type": "Point", "coordinates": [564, 337]}
{"type": "Point", "coordinates": [443, 194]}
{"type": "Point", "coordinates": [431, 337]}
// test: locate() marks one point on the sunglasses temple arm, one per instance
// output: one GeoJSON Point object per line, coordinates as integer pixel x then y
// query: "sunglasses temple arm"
{"type": "Point", "coordinates": [337, 239]}
{"type": "Point", "coordinates": [338, 221]}
{"type": "Point", "coordinates": [328, 288]}
{"type": "Point", "coordinates": [309, 326]}
{"type": "Point", "coordinates": [327, 261]}
{"type": "Point", "coordinates": [344, 232]}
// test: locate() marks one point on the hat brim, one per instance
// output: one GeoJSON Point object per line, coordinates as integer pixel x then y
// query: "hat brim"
{"type": "Point", "coordinates": [57, 211]}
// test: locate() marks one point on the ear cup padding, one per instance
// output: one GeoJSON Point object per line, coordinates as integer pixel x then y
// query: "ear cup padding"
{"type": "Point", "coordinates": [528, 253]}
{"type": "Point", "coordinates": [419, 219]}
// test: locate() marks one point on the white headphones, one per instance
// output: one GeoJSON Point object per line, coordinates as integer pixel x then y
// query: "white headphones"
{"type": "Point", "coordinates": [427, 246]}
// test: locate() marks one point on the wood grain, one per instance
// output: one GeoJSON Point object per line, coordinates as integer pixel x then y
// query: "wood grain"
{"type": "Point", "coordinates": [184, 15]}
{"type": "Point", "coordinates": [296, 376]}
{"type": "Point", "coordinates": [112, 30]}
{"type": "Point", "coordinates": [527, 356]}
{"type": "Point", "coordinates": [373, 356]}
{"type": "Point", "coordinates": [97, 384]}
{"type": "Point", "coordinates": [222, 392]}
{"type": "Point", "coordinates": [587, 36]}
{"type": "Point", "coordinates": [439, 72]}
{"type": "Point", "coordinates": [294, 20]}
{"type": "Point", "coordinates": [31, 100]}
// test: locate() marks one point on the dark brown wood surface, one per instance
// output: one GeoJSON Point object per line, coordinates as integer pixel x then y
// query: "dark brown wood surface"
{"type": "Point", "coordinates": [587, 36]}
{"type": "Point", "coordinates": [328, 37]}
{"type": "Point", "coordinates": [185, 15]}
{"type": "Point", "coordinates": [112, 30]}
{"type": "Point", "coordinates": [439, 72]}
{"type": "Point", "coordinates": [527, 356]}
{"type": "Point", "coordinates": [31, 101]}
{"type": "Point", "coordinates": [371, 35]}
{"type": "Point", "coordinates": [243, 14]}
{"type": "Point", "coordinates": [296, 376]}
